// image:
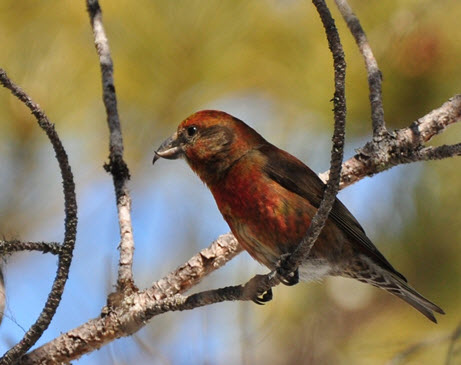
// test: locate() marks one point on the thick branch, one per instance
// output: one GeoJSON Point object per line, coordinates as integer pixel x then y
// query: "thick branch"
{"type": "Point", "coordinates": [223, 249]}
{"type": "Point", "coordinates": [127, 318]}
{"type": "Point", "coordinates": [374, 74]}
{"type": "Point", "coordinates": [70, 226]}
{"type": "Point", "coordinates": [117, 166]}
{"type": "Point", "coordinates": [7, 247]}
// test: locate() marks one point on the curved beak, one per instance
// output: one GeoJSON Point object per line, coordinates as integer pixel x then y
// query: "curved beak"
{"type": "Point", "coordinates": [170, 149]}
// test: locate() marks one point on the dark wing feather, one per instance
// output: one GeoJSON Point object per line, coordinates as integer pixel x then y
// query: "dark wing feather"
{"type": "Point", "coordinates": [295, 176]}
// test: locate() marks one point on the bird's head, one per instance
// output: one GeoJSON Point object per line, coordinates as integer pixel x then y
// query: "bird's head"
{"type": "Point", "coordinates": [210, 141]}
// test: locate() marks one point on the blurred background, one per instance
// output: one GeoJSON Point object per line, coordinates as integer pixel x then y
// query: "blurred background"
{"type": "Point", "coordinates": [266, 62]}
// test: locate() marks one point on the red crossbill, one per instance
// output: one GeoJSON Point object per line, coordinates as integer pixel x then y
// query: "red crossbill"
{"type": "Point", "coordinates": [268, 197]}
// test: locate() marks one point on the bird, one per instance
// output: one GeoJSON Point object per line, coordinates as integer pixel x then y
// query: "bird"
{"type": "Point", "coordinates": [268, 198]}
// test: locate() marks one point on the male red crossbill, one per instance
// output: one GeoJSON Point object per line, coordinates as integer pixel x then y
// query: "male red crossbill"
{"type": "Point", "coordinates": [268, 197]}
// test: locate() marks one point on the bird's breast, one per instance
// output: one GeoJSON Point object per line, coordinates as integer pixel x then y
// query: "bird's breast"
{"type": "Point", "coordinates": [267, 219]}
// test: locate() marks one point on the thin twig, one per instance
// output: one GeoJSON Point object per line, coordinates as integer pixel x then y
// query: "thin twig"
{"type": "Point", "coordinates": [374, 74]}
{"type": "Point", "coordinates": [116, 166]}
{"type": "Point", "coordinates": [455, 336]}
{"type": "Point", "coordinates": [427, 343]}
{"type": "Point", "coordinates": [403, 356]}
{"type": "Point", "coordinates": [7, 247]}
{"type": "Point", "coordinates": [70, 228]}
{"type": "Point", "coordinates": [2, 294]}
{"type": "Point", "coordinates": [440, 152]}
{"type": "Point", "coordinates": [339, 101]}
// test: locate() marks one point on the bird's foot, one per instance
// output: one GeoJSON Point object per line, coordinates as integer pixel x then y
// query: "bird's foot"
{"type": "Point", "coordinates": [258, 290]}
{"type": "Point", "coordinates": [286, 277]}
{"type": "Point", "coordinates": [290, 279]}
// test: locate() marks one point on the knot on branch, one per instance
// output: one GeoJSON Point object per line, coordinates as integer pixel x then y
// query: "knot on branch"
{"type": "Point", "coordinates": [93, 8]}
{"type": "Point", "coordinates": [389, 150]}
{"type": "Point", "coordinates": [117, 168]}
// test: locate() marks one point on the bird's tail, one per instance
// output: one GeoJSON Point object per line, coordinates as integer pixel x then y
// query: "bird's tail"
{"type": "Point", "coordinates": [401, 289]}
{"type": "Point", "coordinates": [396, 285]}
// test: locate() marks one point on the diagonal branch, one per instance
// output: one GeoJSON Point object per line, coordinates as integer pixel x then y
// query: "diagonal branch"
{"type": "Point", "coordinates": [116, 166]}
{"type": "Point", "coordinates": [129, 316]}
{"type": "Point", "coordinates": [70, 226]}
{"type": "Point", "coordinates": [374, 74]}
{"type": "Point", "coordinates": [222, 250]}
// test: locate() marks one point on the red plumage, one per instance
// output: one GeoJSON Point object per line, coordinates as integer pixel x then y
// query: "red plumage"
{"type": "Point", "coordinates": [268, 197]}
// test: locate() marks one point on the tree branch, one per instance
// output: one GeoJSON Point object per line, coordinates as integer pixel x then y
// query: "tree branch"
{"type": "Point", "coordinates": [371, 65]}
{"type": "Point", "coordinates": [70, 226]}
{"type": "Point", "coordinates": [404, 145]}
{"type": "Point", "coordinates": [439, 153]}
{"type": "Point", "coordinates": [2, 295]}
{"type": "Point", "coordinates": [403, 356]}
{"type": "Point", "coordinates": [116, 166]}
{"type": "Point", "coordinates": [222, 250]}
{"type": "Point", "coordinates": [454, 337]}
{"type": "Point", "coordinates": [127, 317]}
{"type": "Point", "coordinates": [337, 151]}
{"type": "Point", "coordinates": [7, 247]}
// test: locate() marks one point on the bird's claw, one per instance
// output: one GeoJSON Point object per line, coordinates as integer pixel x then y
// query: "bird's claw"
{"type": "Point", "coordinates": [285, 276]}
{"type": "Point", "coordinates": [290, 279]}
{"type": "Point", "coordinates": [263, 298]}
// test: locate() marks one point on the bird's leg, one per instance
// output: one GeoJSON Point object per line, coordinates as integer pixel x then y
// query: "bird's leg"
{"type": "Point", "coordinates": [287, 278]}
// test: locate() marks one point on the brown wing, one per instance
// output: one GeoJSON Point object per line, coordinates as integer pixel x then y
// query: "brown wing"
{"type": "Point", "coordinates": [295, 176]}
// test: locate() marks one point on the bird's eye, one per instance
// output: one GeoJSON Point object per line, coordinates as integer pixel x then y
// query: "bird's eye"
{"type": "Point", "coordinates": [191, 131]}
